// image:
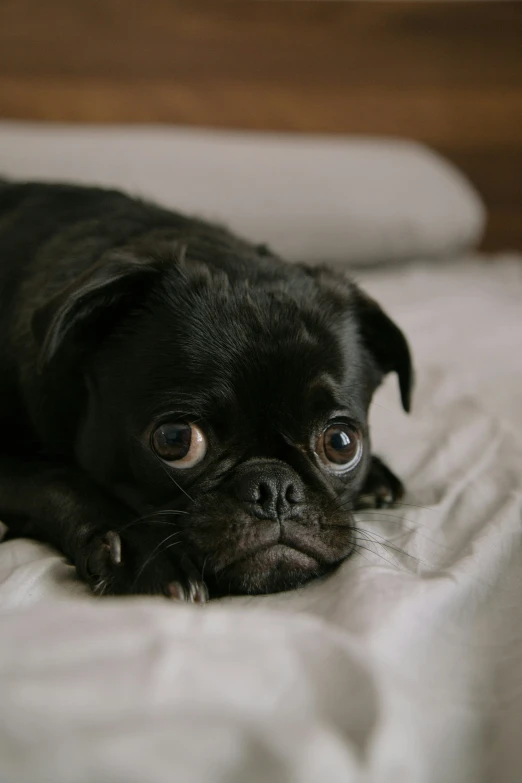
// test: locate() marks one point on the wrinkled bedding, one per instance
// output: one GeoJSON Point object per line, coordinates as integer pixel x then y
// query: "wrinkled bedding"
{"type": "Point", "coordinates": [405, 665]}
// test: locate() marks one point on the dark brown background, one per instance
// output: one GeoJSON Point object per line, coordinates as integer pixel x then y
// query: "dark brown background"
{"type": "Point", "coordinates": [448, 74]}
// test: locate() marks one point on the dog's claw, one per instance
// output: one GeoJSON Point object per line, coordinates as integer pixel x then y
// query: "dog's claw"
{"type": "Point", "coordinates": [385, 498]}
{"type": "Point", "coordinates": [196, 592]}
{"type": "Point", "coordinates": [122, 564]}
{"type": "Point", "coordinates": [381, 498]}
{"type": "Point", "coordinates": [112, 541]}
{"type": "Point", "coordinates": [201, 594]}
{"type": "Point", "coordinates": [382, 488]}
{"type": "Point", "coordinates": [105, 553]}
{"type": "Point", "coordinates": [176, 591]}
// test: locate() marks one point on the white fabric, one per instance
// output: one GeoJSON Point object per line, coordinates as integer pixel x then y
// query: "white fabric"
{"type": "Point", "coordinates": [312, 199]}
{"type": "Point", "coordinates": [406, 665]}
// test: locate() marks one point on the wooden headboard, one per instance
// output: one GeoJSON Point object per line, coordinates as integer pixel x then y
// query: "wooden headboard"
{"type": "Point", "coordinates": [445, 73]}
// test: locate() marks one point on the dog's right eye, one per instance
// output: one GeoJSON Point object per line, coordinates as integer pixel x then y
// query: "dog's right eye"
{"type": "Point", "coordinates": [181, 444]}
{"type": "Point", "coordinates": [340, 447]}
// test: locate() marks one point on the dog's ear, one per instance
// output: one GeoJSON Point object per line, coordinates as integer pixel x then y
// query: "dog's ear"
{"type": "Point", "coordinates": [84, 311]}
{"type": "Point", "coordinates": [380, 335]}
{"type": "Point", "coordinates": [386, 343]}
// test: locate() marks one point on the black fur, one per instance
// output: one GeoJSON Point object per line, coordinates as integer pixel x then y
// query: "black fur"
{"type": "Point", "coordinates": [115, 314]}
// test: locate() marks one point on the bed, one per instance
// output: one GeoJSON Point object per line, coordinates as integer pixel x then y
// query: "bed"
{"type": "Point", "coordinates": [406, 664]}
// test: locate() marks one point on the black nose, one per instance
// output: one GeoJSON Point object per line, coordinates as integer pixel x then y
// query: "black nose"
{"type": "Point", "coordinates": [274, 491]}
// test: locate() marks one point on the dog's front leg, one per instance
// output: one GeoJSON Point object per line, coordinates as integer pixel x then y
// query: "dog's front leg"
{"type": "Point", "coordinates": [382, 488]}
{"type": "Point", "coordinates": [112, 551]}
{"type": "Point", "coordinates": [62, 507]}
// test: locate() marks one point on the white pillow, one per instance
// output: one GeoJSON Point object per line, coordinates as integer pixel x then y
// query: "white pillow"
{"type": "Point", "coordinates": [332, 199]}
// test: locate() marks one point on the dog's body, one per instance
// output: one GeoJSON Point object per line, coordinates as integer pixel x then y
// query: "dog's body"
{"type": "Point", "coordinates": [180, 409]}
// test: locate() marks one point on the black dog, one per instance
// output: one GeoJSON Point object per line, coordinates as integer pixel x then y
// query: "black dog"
{"type": "Point", "coordinates": [181, 411]}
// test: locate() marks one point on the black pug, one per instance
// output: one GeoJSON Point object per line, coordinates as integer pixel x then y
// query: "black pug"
{"type": "Point", "coordinates": [182, 412]}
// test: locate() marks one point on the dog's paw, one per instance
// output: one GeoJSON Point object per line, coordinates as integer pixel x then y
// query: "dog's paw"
{"type": "Point", "coordinates": [129, 564]}
{"type": "Point", "coordinates": [382, 488]}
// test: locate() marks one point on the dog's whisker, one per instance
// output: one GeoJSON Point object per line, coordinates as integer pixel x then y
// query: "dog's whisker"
{"type": "Point", "coordinates": [358, 550]}
{"type": "Point", "coordinates": [415, 528]}
{"type": "Point", "coordinates": [397, 505]}
{"type": "Point", "coordinates": [155, 551]}
{"type": "Point", "coordinates": [174, 543]}
{"type": "Point", "coordinates": [165, 469]}
{"type": "Point", "coordinates": [153, 520]}
{"type": "Point", "coordinates": [203, 568]}
{"type": "Point", "coordinates": [377, 554]}
{"type": "Point", "coordinates": [158, 517]}
{"type": "Point", "coordinates": [171, 477]}
{"type": "Point", "coordinates": [382, 515]}
{"type": "Point", "coordinates": [378, 405]}
{"type": "Point", "coordinates": [367, 537]}
{"type": "Point", "coordinates": [415, 505]}
{"type": "Point", "coordinates": [386, 543]}
{"type": "Point", "coordinates": [334, 504]}
{"type": "Point", "coordinates": [100, 587]}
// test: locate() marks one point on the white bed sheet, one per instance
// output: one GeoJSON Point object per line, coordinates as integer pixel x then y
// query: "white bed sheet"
{"type": "Point", "coordinates": [406, 665]}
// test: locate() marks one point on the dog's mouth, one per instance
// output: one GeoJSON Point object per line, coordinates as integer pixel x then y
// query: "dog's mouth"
{"type": "Point", "coordinates": [282, 561]}
{"type": "Point", "coordinates": [269, 569]}
{"type": "Point", "coordinates": [238, 553]}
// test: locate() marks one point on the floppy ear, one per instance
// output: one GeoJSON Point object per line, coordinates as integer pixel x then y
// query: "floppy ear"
{"type": "Point", "coordinates": [385, 341]}
{"type": "Point", "coordinates": [380, 335]}
{"type": "Point", "coordinates": [85, 310]}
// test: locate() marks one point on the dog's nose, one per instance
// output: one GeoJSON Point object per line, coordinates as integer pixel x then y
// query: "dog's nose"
{"type": "Point", "coordinates": [274, 491]}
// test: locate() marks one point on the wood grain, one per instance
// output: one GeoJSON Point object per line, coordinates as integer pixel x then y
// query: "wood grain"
{"type": "Point", "coordinates": [448, 74]}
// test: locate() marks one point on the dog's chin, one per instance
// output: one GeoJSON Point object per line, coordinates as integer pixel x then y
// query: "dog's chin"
{"type": "Point", "coordinates": [272, 569]}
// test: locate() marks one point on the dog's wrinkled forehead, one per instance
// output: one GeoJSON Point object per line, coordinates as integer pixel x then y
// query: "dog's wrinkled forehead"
{"type": "Point", "coordinates": [234, 346]}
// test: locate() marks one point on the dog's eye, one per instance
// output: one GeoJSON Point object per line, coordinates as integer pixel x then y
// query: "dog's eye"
{"type": "Point", "coordinates": [179, 443]}
{"type": "Point", "coordinates": [340, 447]}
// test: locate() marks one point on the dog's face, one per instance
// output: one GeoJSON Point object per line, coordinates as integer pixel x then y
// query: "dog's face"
{"type": "Point", "coordinates": [237, 410]}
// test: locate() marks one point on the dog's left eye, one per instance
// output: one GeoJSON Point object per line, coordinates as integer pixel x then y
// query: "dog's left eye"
{"type": "Point", "coordinates": [340, 447]}
{"type": "Point", "coordinates": [179, 443]}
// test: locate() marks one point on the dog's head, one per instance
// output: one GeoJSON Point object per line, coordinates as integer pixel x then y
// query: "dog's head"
{"type": "Point", "coordinates": [238, 399]}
